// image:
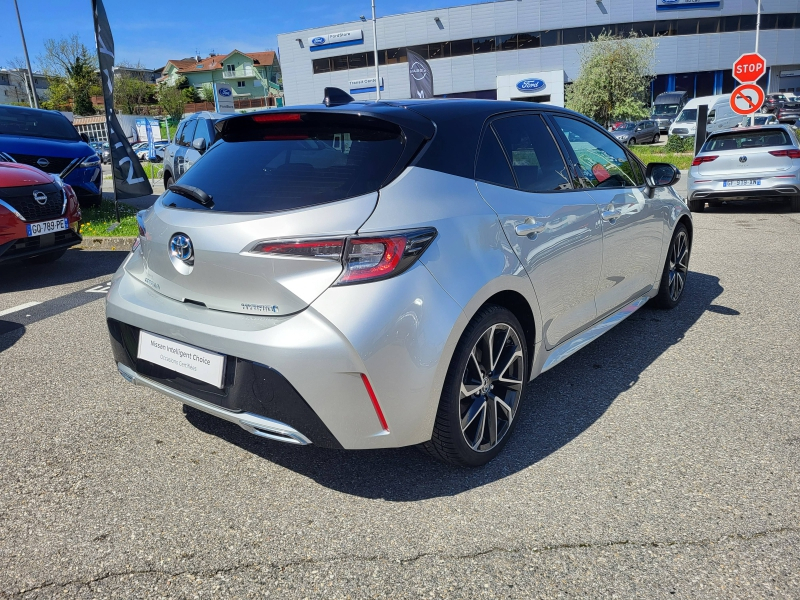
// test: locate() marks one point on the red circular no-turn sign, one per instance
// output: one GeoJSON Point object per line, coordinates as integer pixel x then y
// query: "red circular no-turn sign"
{"type": "Point", "coordinates": [747, 99]}
{"type": "Point", "coordinates": [749, 68]}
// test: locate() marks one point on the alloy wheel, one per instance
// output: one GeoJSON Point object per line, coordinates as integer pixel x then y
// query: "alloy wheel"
{"type": "Point", "coordinates": [491, 386]}
{"type": "Point", "coordinates": [678, 265]}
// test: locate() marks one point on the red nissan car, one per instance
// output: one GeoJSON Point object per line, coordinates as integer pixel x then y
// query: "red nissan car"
{"type": "Point", "coordinates": [39, 214]}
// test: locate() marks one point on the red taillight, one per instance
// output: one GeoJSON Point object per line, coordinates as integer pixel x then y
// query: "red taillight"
{"type": "Point", "coordinates": [375, 405]}
{"type": "Point", "coordinates": [790, 153]}
{"type": "Point", "coordinates": [363, 258]}
{"type": "Point", "coordinates": [699, 160]}
{"type": "Point", "coordinates": [372, 258]}
{"type": "Point", "coordinates": [326, 249]}
{"type": "Point", "coordinates": [278, 118]}
{"type": "Point", "coordinates": [381, 257]}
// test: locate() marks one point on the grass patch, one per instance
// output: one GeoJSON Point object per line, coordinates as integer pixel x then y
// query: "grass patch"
{"type": "Point", "coordinates": [96, 221]}
{"type": "Point", "coordinates": [648, 154]}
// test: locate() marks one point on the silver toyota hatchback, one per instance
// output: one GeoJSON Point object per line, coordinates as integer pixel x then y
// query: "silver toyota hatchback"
{"type": "Point", "coordinates": [384, 274]}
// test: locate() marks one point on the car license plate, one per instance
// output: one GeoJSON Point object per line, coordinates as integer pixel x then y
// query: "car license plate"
{"type": "Point", "coordinates": [740, 182]}
{"type": "Point", "coordinates": [182, 358]}
{"type": "Point", "coordinates": [44, 227]}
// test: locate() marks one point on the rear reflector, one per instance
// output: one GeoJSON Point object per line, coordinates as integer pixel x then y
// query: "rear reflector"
{"type": "Point", "coordinates": [699, 160]}
{"type": "Point", "coordinates": [278, 118]}
{"type": "Point", "coordinates": [375, 404]}
{"type": "Point", "coordinates": [790, 153]}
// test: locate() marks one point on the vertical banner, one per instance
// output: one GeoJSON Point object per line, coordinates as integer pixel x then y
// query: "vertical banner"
{"type": "Point", "coordinates": [129, 177]}
{"type": "Point", "coordinates": [420, 76]}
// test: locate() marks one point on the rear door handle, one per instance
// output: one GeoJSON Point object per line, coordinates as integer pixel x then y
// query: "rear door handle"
{"type": "Point", "coordinates": [611, 215]}
{"type": "Point", "coordinates": [529, 227]}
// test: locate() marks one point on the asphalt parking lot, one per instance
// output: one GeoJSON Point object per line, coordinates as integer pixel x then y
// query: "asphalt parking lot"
{"type": "Point", "coordinates": [661, 461]}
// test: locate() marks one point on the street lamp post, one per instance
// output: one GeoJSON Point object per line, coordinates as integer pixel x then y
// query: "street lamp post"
{"type": "Point", "coordinates": [758, 22]}
{"type": "Point", "coordinates": [32, 94]}
{"type": "Point", "coordinates": [375, 49]}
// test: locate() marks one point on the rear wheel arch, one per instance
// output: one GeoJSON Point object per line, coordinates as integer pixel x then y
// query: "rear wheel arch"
{"type": "Point", "coordinates": [521, 309]}
{"type": "Point", "coordinates": [687, 222]}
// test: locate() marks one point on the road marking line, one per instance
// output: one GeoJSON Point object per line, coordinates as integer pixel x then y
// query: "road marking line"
{"type": "Point", "coordinates": [103, 288]}
{"type": "Point", "coordinates": [8, 311]}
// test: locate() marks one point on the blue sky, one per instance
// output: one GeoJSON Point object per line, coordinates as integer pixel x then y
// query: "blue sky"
{"type": "Point", "coordinates": [152, 33]}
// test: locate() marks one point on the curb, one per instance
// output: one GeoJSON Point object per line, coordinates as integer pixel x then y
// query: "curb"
{"type": "Point", "coordinates": [120, 244]}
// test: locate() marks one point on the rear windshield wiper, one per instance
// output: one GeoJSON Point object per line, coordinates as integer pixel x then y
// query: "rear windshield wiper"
{"type": "Point", "coordinates": [192, 193]}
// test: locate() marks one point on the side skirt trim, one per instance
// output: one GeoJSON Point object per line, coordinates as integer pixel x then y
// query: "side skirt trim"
{"type": "Point", "coordinates": [571, 346]}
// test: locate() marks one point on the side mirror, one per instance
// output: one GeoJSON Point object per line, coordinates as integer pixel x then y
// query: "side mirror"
{"type": "Point", "coordinates": [661, 175]}
{"type": "Point", "coordinates": [85, 138]}
{"type": "Point", "coordinates": [199, 144]}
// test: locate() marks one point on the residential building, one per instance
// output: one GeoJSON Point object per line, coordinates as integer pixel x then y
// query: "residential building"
{"type": "Point", "coordinates": [530, 49]}
{"type": "Point", "coordinates": [139, 72]}
{"type": "Point", "coordinates": [12, 86]}
{"type": "Point", "coordinates": [246, 72]}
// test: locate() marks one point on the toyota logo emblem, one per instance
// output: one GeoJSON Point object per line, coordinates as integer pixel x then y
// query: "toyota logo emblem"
{"type": "Point", "coordinates": [180, 246]}
{"type": "Point", "coordinates": [40, 197]}
{"type": "Point", "coordinates": [742, 159]}
{"type": "Point", "coordinates": [43, 162]}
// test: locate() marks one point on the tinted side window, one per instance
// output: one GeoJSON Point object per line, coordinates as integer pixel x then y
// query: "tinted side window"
{"type": "Point", "coordinates": [188, 133]}
{"type": "Point", "coordinates": [602, 161]}
{"type": "Point", "coordinates": [534, 155]}
{"type": "Point", "coordinates": [492, 165]}
{"type": "Point", "coordinates": [204, 129]}
{"type": "Point", "coordinates": [179, 133]}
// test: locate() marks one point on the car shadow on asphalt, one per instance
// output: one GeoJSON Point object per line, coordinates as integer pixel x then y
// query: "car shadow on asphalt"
{"type": "Point", "coordinates": [559, 406]}
{"type": "Point", "coordinates": [10, 338]}
{"type": "Point", "coordinates": [73, 267]}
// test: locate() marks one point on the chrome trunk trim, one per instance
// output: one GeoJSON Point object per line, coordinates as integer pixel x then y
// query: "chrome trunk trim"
{"type": "Point", "coordinates": [252, 423]}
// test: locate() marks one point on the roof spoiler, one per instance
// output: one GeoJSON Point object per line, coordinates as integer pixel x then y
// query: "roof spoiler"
{"type": "Point", "coordinates": [336, 97]}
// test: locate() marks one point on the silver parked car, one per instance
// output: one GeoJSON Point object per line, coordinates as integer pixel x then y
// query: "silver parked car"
{"type": "Point", "coordinates": [195, 134]}
{"type": "Point", "coordinates": [746, 164]}
{"type": "Point", "coordinates": [382, 274]}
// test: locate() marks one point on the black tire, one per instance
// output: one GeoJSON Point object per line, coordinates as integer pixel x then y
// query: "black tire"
{"type": "Point", "coordinates": [631, 141]}
{"type": "Point", "coordinates": [697, 206]}
{"type": "Point", "coordinates": [168, 182]}
{"type": "Point", "coordinates": [449, 440]}
{"type": "Point", "coordinates": [657, 138]}
{"type": "Point", "coordinates": [676, 268]}
{"type": "Point", "coordinates": [49, 257]}
{"type": "Point", "coordinates": [794, 204]}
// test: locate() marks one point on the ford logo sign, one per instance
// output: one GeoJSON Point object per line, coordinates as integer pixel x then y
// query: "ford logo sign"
{"type": "Point", "coordinates": [318, 41]}
{"type": "Point", "coordinates": [531, 85]}
{"type": "Point", "coordinates": [224, 92]}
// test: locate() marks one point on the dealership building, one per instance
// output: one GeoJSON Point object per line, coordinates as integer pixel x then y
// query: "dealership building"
{"type": "Point", "coordinates": [530, 49]}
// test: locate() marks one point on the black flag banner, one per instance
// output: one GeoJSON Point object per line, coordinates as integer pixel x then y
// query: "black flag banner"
{"type": "Point", "coordinates": [130, 180]}
{"type": "Point", "coordinates": [420, 76]}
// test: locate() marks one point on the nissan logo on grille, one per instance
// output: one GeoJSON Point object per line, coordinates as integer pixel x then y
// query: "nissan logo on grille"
{"type": "Point", "coordinates": [40, 197]}
{"type": "Point", "coordinates": [43, 162]}
{"type": "Point", "coordinates": [180, 246]}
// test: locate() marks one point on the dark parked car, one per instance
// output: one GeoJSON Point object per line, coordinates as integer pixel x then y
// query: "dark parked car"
{"type": "Point", "coordinates": [638, 132]}
{"type": "Point", "coordinates": [45, 139]}
{"type": "Point", "coordinates": [773, 102]}
{"type": "Point", "coordinates": [789, 112]}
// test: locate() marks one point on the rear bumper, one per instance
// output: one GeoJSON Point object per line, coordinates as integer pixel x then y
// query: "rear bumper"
{"type": "Point", "coordinates": [744, 193]}
{"type": "Point", "coordinates": [305, 369]}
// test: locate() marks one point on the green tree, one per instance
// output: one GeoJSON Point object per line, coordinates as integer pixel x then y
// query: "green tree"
{"type": "Point", "coordinates": [131, 91]}
{"type": "Point", "coordinates": [207, 93]}
{"type": "Point", "coordinates": [68, 61]}
{"type": "Point", "coordinates": [171, 100]}
{"type": "Point", "coordinates": [614, 79]}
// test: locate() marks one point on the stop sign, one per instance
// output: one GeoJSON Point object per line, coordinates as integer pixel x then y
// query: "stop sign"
{"type": "Point", "coordinates": [749, 68]}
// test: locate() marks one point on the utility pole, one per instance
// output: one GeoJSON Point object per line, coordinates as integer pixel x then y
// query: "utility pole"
{"type": "Point", "coordinates": [32, 95]}
{"type": "Point", "coordinates": [375, 49]}
{"type": "Point", "coordinates": [758, 21]}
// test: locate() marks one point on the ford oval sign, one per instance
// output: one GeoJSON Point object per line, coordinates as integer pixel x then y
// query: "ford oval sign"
{"type": "Point", "coordinates": [318, 41]}
{"type": "Point", "coordinates": [224, 92]}
{"type": "Point", "coordinates": [531, 85]}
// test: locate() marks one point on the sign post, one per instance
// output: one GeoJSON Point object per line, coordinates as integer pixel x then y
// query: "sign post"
{"type": "Point", "coordinates": [223, 94]}
{"type": "Point", "coordinates": [748, 98]}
